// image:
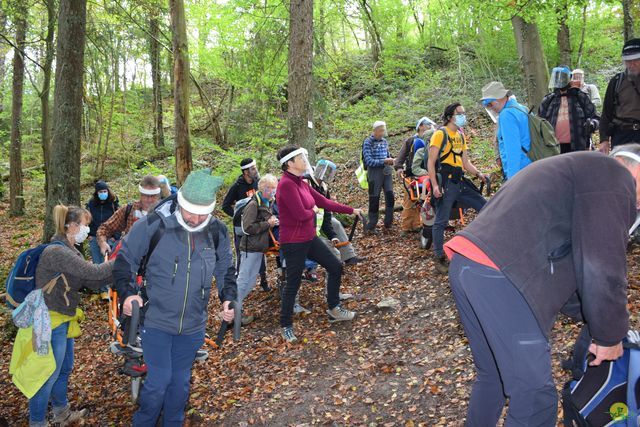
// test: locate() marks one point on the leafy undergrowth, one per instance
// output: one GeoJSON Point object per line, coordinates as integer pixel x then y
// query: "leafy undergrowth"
{"type": "Point", "coordinates": [405, 366]}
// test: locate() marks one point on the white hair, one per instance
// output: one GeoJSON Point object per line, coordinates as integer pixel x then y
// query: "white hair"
{"type": "Point", "coordinates": [266, 180]}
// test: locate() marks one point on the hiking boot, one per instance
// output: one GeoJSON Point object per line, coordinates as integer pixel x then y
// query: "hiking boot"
{"type": "Point", "coordinates": [309, 276]}
{"type": "Point", "coordinates": [288, 335]}
{"type": "Point", "coordinates": [298, 309]}
{"type": "Point", "coordinates": [64, 417]}
{"type": "Point", "coordinates": [246, 320]}
{"type": "Point", "coordinates": [442, 264]}
{"type": "Point", "coordinates": [339, 314]}
{"type": "Point", "coordinates": [264, 284]}
{"type": "Point", "coordinates": [371, 232]}
{"type": "Point", "coordinates": [354, 260]}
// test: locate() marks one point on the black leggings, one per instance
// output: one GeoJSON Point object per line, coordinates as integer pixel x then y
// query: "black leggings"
{"type": "Point", "coordinates": [294, 256]}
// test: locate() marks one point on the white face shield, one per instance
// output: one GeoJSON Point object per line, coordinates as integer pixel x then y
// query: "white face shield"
{"type": "Point", "coordinates": [492, 114]}
{"type": "Point", "coordinates": [325, 171]}
{"type": "Point", "coordinates": [304, 155]}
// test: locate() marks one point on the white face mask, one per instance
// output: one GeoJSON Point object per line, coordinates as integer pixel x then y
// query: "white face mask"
{"type": "Point", "coordinates": [82, 234]}
{"type": "Point", "coordinates": [189, 228]}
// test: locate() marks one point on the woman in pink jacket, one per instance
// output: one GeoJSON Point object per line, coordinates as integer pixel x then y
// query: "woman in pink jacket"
{"type": "Point", "coordinates": [297, 205]}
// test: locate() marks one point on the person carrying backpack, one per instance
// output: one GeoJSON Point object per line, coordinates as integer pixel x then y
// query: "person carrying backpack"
{"type": "Point", "coordinates": [448, 161]}
{"type": "Point", "coordinates": [62, 271]}
{"type": "Point", "coordinates": [570, 112]}
{"type": "Point", "coordinates": [539, 244]}
{"type": "Point", "coordinates": [257, 221]}
{"type": "Point", "coordinates": [620, 121]}
{"type": "Point", "coordinates": [245, 186]}
{"type": "Point", "coordinates": [190, 247]}
{"type": "Point", "coordinates": [403, 164]}
{"type": "Point", "coordinates": [513, 134]}
{"type": "Point", "coordinates": [298, 205]}
{"type": "Point", "coordinates": [122, 221]}
{"type": "Point", "coordinates": [102, 205]}
{"type": "Point", "coordinates": [379, 164]}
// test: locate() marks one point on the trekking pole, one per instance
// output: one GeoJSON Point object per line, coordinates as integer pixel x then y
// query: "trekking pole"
{"type": "Point", "coordinates": [352, 232]}
{"type": "Point", "coordinates": [225, 325]}
{"type": "Point", "coordinates": [132, 336]}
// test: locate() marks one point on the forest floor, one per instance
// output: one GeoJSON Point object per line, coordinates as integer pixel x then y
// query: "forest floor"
{"type": "Point", "coordinates": [405, 366]}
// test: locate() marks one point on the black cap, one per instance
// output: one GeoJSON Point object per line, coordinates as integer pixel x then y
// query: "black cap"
{"type": "Point", "coordinates": [631, 50]}
{"type": "Point", "coordinates": [101, 185]}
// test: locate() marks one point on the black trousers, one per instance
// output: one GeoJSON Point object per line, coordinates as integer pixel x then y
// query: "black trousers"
{"type": "Point", "coordinates": [621, 137]}
{"type": "Point", "coordinates": [294, 256]}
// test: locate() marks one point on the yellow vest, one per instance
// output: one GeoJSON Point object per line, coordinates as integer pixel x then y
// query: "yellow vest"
{"type": "Point", "coordinates": [29, 371]}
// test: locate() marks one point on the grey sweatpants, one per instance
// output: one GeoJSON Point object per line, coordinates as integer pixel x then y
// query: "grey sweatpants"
{"type": "Point", "coordinates": [345, 252]}
{"type": "Point", "coordinates": [250, 263]}
{"type": "Point", "coordinates": [511, 354]}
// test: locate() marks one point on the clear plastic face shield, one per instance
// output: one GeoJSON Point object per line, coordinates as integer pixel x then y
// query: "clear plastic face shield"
{"type": "Point", "coordinates": [577, 78]}
{"type": "Point", "coordinates": [427, 122]}
{"type": "Point", "coordinates": [489, 106]}
{"type": "Point", "coordinates": [560, 78]}
{"type": "Point", "coordinates": [325, 171]}
{"type": "Point", "coordinates": [304, 157]}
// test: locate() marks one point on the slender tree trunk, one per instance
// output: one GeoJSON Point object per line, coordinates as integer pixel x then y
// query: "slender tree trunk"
{"type": "Point", "coordinates": [184, 161]}
{"type": "Point", "coordinates": [372, 29]}
{"type": "Point", "coordinates": [154, 50]}
{"type": "Point", "coordinates": [533, 60]}
{"type": "Point", "coordinates": [67, 112]}
{"type": "Point", "coordinates": [627, 11]}
{"type": "Point", "coordinates": [3, 54]}
{"type": "Point", "coordinates": [582, 34]}
{"type": "Point", "coordinates": [563, 36]}
{"type": "Point", "coordinates": [16, 196]}
{"type": "Point", "coordinates": [45, 127]}
{"type": "Point", "coordinates": [299, 109]}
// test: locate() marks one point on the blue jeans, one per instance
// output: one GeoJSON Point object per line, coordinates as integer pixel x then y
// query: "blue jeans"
{"type": "Point", "coordinates": [453, 192]}
{"type": "Point", "coordinates": [169, 359]}
{"type": "Point", "coordinates": [55, 389]}
{"type": "Point", "coordinates": [511, 354]}
{"type": "Point", "coordinates": [96, 256]}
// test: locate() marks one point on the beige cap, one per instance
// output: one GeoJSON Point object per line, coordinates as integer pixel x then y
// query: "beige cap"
{"type": "Point", "coordinates": [494, 90]}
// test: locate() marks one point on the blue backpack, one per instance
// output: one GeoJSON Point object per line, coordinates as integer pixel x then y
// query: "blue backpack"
{"type": "Point", "coordinates": [22, 277]}
{"type": "Point", "coordinates": [606, 395]}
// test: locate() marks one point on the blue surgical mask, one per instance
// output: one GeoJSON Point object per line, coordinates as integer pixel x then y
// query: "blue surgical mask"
{"type": "Point", "coordinates": [461, 120]}
{"type": "Point", "coordinates": [103, 196]}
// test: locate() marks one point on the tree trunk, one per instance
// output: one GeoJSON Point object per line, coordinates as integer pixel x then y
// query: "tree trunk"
{"type": "Point", "coordinates": [563, 36]}
{"type": "Point", "coordinates": [3, 54]}
{"type": "Point", "coordinates": [184, 161]}
{"type": "Point", "coordinates": [16, 197]}
{"type": "Point", "coordinates": [372, 29]}
{"type": "Point", "coordinates": [67, 109]}
{"type": "Point", "coordinates": [299, 109]}
{"type": "Point", "coordinates": [533, 60]}
{"type": "Point", "coordinates": [154, 50]}
{"type": "Point", "coordinates": [45, 127]}
{"type": "Point", "coordinates": [582, 34]}
{"type": "Point", "coordinates": [627, 11]}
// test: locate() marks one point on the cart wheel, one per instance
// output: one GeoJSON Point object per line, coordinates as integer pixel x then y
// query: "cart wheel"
{"type": "Point", "coordinates": [135, 389]}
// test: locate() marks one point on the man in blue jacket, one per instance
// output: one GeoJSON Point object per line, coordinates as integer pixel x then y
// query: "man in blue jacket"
{"type": "Point", "coordinates": [513, 127]}
{"type": "Point", "coordinates": [186, 248]}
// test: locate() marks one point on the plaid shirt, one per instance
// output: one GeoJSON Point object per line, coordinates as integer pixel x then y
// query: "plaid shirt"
{"type": "Point", "coordinates": [375, 151]}
{"type": "Point", "coordinates": [118, 223]}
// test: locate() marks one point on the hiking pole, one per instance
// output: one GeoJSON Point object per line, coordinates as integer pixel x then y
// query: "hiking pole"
{"type": "Point", "coordinates": [486, 181]}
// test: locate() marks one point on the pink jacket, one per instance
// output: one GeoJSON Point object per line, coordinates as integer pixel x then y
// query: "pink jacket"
{"type": "Point", "coordinates": [296, 199]}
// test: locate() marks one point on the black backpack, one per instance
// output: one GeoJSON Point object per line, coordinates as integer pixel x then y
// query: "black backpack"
{"type": "Point", "coordinates": [410, 144]}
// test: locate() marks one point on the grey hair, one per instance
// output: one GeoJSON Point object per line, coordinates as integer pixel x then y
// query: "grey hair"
{"type": "Point", "coordinates": [632, 149]}
{"type": "Point", "coordinates": [266, 180]}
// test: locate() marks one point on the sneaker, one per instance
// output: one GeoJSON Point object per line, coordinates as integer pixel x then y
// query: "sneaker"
{"type": "Point", "coordinates": [246, 320]}
{"type": "Point", "coordinates": [371, 232]}
{"type": "Point", "coordinates": [264, 284]}
{"type": "Point", "coordinates": [339, 314]}
{"type": "Point", "coordinates": [202, 355]}
{"type": "Point", "coordinates": [309, 276]}
{"type": "Point", "coordinates": [298, 309]}
{"type": "Point", "coordinates": [288, 335]}
{"type": "Point", "coordinates": [104, 296]}
{"type": "Point", "coordinates": [441, 264]}
{"type": "Point", "coordinates": [344, 297]}
{"type": "Point", "coordinates": [354, 260]}
{"type": "Point", "coordinates": [67, 416]}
